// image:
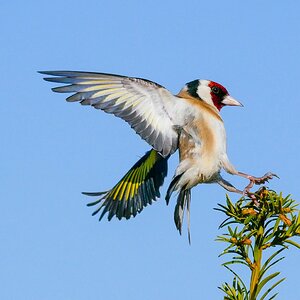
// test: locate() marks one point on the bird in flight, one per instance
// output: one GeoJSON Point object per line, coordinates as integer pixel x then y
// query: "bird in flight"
{"type": "Point", "coordinates": [189, 122]}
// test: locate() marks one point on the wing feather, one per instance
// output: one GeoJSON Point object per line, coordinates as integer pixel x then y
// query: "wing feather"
{"type": "Point", "coordinates": [145, 105]}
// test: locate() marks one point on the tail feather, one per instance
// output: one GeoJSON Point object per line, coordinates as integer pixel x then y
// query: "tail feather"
{"type": "Point", "coordinates": [138, 188]}
{"type": "Point", "coordinates": [188, 214]}
{"type": "Point", "coordinates": [172, 187]}
{"type": "Point", "coordinates": [179, 211]}
{"type": "Point", "coordinates": [183, 202]}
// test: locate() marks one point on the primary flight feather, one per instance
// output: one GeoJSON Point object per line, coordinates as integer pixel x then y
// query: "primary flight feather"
{"type": "Point", "coordinates": [189, 121]}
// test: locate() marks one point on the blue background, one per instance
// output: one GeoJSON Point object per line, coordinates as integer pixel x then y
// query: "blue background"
{"type": "Point", "coordinates": [51, 248]}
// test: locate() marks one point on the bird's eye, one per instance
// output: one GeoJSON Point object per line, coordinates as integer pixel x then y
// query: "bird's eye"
{"type": "Point", "coordinates": [215, 90]}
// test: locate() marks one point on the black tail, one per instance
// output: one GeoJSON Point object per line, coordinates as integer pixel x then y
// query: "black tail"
{"type": "Point", "coordinates": [172, 187]}
{"type": "Point", "coordinates": [138, 188]}
{"type": "Point", "coordinates": [183, 201]}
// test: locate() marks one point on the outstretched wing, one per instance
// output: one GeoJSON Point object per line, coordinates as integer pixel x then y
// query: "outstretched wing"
{"type": "Point", "coordinates": [145, 105]}
{"type": "Point", "coordinates": [138, 188]}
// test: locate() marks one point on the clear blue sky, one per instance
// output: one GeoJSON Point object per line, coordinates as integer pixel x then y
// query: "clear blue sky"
{"type": "Point", "coordinates": [51, 246]}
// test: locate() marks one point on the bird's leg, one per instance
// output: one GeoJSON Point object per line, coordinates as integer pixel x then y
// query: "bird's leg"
{"type": "Point", "coordinates": [229, 187]}
{"type": "Point", "coordinates": [256, 180]}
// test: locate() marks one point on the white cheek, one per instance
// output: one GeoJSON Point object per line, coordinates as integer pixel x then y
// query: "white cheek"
{"type": "Point", "coordinates": [204, 93]}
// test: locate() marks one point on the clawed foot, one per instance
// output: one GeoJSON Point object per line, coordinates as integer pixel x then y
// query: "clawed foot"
{"type": "Point", "coordinates": [257, 180]}
{"type": "Point", "coordinates": [246, 192]}
{"type": "Point", "coordinates": [263, 179]}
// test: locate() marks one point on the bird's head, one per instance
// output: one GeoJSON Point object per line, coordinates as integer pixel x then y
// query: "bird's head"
{"type": "Point", "coordinates": [210, 92]}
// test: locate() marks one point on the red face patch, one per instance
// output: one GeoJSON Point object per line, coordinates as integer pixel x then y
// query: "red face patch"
{"type": "Point", "coordinates": [217, 92]}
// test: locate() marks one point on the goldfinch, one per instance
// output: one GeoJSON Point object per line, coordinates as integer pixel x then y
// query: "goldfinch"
{"type": "Point", "coordinates": [189, 121]}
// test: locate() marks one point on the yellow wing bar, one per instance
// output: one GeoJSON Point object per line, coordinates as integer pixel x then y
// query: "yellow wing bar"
{"type": "Point", "coordinates": [138, 188]}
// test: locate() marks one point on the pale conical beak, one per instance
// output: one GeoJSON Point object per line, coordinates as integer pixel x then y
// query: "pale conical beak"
{"type": "Point", "coordinates": [228, 100]}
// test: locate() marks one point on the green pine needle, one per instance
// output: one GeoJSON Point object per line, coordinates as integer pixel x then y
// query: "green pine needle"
{"type": "Point", "coordinates": [251, 233]}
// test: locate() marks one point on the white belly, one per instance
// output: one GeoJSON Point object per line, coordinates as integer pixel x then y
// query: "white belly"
{"type": "Point", "coordinates": [203, 159]}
